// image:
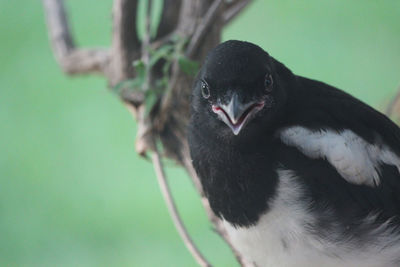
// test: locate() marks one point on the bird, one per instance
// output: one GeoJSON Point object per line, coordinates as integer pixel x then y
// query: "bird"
{"type": "Point", "coordinates": [299, 172]}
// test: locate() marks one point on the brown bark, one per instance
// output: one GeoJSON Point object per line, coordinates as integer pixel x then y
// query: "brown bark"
{"type": "Point", "coordinates": [72, 60]}
{"type": "Point", "coordinates": [125, 42]}
{"type": "Point", "coordinates": [393, 109]}
{"type": "Point", "coordinates": [200, 22]}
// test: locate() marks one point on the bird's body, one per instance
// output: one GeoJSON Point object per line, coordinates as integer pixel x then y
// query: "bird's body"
{"type": "Point", "coordinates": [301, 173]}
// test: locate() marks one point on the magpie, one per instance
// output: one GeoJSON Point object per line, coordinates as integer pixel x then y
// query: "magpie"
{"type": "Point", "coordinates": [300, 172]}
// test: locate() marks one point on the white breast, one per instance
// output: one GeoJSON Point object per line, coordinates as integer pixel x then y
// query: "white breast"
{"type": "Point", "coordinates": [356, 160]}
{"type": "Point", "coordinates": [281, 238]}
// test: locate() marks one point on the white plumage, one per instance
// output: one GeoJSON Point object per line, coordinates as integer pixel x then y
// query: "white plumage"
{"type": "Point", "coordinates": [354, 159]}
{"type": "Point", "coordinates": [281, 238]}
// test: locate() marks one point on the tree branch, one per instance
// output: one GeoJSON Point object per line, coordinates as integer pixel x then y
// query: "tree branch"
{"type": "Point", "coordinates": [59, 32]}
{"type": "Point", "coordinates": [189, 28]}
{"type": "Point", "coordinates": [85, 61]}
{"type": "Point", "coordinates": [168, 121]}
{"type": "Point", "coordinates": [208, 19]}
{"type": "Point", "coordinates": [390, 110]}
{"type": "Point", "coordinates": [146, 45]}
{"type": "Point", "coordinates": [188, 15]}
{"type": "Point", "coordinates": [169, 19]}
{"type": "Point", "coordinates": [71, 59]}
{"type": "Point", "coordinates": [125, 42]}
{"type": "Point", "coordinates": [234, 10]}
{"type": "Point", "coordinates": [163, 183]}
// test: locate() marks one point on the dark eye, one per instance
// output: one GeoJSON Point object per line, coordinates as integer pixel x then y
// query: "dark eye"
{"type": "Point", "coordinates": [205, 90]}
{"type": "Point", "coordinates": [268, 82]}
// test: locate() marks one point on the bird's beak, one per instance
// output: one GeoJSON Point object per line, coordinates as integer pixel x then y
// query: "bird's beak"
{"type": "Point", "coordinates": [236, 114]}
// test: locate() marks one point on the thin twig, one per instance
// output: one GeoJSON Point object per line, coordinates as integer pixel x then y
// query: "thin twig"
{"type": "Point", "coordinates": [166, 100]}
{"type": "Point", "coordinates": [125, 41]}
{"type": "Point", "coordinates": [390, 108]}
{"type": "Point", "coordinates": [146, 46]}
{"type": "Point", "coordinates": [233, 11]}
{"type": "Point", "coordinates": [166, 192]}
{"type": "Point", "coordinates": [203, 26]}
{"type": "Point", "coordinates": [162, 41]}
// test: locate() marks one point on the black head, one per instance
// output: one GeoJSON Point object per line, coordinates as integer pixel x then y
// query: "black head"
{"type": "Point", "coordinates": [239, 90]}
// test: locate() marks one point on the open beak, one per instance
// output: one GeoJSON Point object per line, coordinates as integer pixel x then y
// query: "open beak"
{"type": "Point", "coordinates": [236, 114]}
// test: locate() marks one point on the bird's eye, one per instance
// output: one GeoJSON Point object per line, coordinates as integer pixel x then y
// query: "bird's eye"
{"type": "Point", "coordinates": [268, 82]}
{"type": "Point", "coordinates": [205, 90]}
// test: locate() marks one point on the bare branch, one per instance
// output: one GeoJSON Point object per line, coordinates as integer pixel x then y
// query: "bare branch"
{"type": "Point", "coordinates": [143, 140]}
{"type": "Point", "coordinates": [125, 42]}
{"type": "Point", "coordinates": [146, 45]}
{"type": "Point", "coordinates": [188, 17]}
{"type": "Point", "coordinates": [169, 19]}
{"type": "Point", "coordinates": [235, 10]}
{"type": "Point", "coordinates": [162, 181]}
{"type": "Point", "coordinates": [147, 33]}
{"type": "Point", "coordinates": [57, 24]}
{"type": "Point", "coordinates": [391, 108]}
{"type": "Point", "coordinates": [168, 121]}
{"type": "Point", "coordinates": [208, 19]}
{"type": "Point", "coordinates": [168, 23]}
{"type": "Point", "coordinates": [82, 61]}
{"type": "Point", "coordinates": [71, 60]}
{"type": "Point", "coordinates": [167, 98]}
{"type": "Point", "coordinates": [162, 41]}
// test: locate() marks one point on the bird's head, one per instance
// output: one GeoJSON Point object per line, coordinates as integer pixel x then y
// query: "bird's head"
{"type": "Point", "coordinates": [238, 89]}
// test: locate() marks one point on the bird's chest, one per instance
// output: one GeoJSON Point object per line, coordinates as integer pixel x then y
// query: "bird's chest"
{"type": "Point", "coordinates": [285, 235]}
{"type": "Point", "coordinates": [278, 239]}
{"type": "Point", "coordinates": [281, 236]}
{"type": "Point", "coordinates": [237, 183]}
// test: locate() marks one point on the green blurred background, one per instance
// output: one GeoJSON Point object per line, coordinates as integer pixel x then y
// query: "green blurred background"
{"type": "Point", "coordinates": [74, 193]}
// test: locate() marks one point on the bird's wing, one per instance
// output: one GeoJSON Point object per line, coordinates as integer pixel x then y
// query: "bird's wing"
{"type": "Point", "coordinates": [359, 145]}
{"type": "Point", "coordinates": [355, 159]}
{"type": "Point", "coordinates": [353, 137]}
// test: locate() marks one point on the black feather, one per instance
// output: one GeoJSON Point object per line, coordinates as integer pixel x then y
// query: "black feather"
{"type": "Point", "coordinates": [238, 173]}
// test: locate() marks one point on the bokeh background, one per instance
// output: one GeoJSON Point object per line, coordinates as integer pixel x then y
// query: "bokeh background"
{"type": "Point", "coordinates": [72, 190]}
